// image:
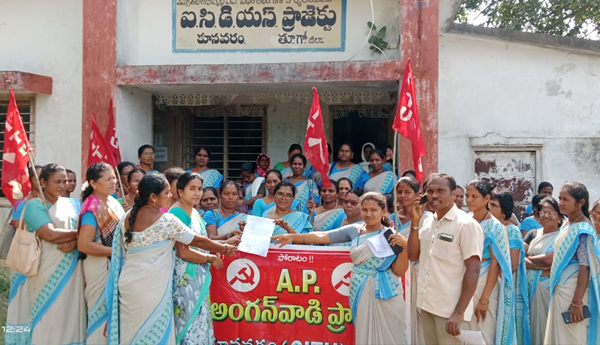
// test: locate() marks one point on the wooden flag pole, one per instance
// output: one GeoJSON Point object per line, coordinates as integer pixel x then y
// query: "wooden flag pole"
{"type": "Point", "coordinates": [37, 178]}
{"type": "Point", "coordinates": [120, 183]}
{"type": "Point", "coordinates": [395, 161]}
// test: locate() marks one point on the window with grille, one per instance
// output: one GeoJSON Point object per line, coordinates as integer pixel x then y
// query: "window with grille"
{"type": "Point", "coordinates": [25, 106]}
{"type": "Point", "coordinates": [234, 135]}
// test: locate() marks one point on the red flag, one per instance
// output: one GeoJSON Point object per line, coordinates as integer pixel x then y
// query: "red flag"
{"type": "Point", "coordinates": [99, 150]}
{"type": "Point", "coordinates": [315, 142]}
{"type": "Point", "coordinates": [15, 177]}
{"type": "Point", "coordinates": [111, 135]}
{"type": "Point", "coordinates": [407, 119]}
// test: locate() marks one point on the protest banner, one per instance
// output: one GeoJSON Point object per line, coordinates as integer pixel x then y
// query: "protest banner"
{"type": "Point", "coordinates": [297, 295]}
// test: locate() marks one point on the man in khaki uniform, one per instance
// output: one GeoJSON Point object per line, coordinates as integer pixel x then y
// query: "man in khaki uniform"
{"type": "Point", "coordinates": [448, 246]}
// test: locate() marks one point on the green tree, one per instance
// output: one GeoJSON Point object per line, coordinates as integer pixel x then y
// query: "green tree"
{"type": "Point", "coordinates": [576, 18]}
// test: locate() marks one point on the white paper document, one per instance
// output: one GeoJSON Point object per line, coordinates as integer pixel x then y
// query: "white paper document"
{"type": "Point", "coordinates": [471, 337]}
{"type": "Point", "coordinates": [380, 246]}
{"type": "Point", "coordinates": [257, 235]}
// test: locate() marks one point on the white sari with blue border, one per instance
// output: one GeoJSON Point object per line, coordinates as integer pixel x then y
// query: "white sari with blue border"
{"type": "Point", "coordinates": [139, 290]}
{"type": "Point", "coordinates": [56, 292]}
{"type": "Point", "coordinates": [563, 282]}
{"type": "Point", "coordinates": [499, 326]}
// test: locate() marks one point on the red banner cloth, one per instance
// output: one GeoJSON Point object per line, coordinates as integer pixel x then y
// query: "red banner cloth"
{"type": "Point", "coordinates": [15, 177]}
{"type": "Point", "coordinates": [111, 135]}
{"type": "Point", "coordinates": [99, 150]}
{"type": "Point", "coordinates": [407, 121]}
{"type": "Point", "coordinates": [295, 295]}
{"type": "Point", "coordinates": [315, 141]}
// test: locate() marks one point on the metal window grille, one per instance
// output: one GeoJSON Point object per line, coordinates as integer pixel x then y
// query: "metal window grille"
{"type": "Point", "coordinates": [26, 108]}
{"type": "Point", "coordinates": [232, 140]}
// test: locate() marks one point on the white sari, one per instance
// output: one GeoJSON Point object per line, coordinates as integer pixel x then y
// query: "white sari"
{"type": "Point", "coordinates": [56, 291]}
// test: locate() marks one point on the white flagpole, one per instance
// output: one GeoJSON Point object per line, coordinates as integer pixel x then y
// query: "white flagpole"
{"type": "Point", "coordinates": [394, 192]}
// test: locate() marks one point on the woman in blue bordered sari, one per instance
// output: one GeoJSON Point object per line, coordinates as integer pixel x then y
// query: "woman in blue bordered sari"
{"type": "Point", "coordinates": [575, 273]}
{"type": "Point", "coordinates": [56, 291]}
{"type": "Point", "coordinates": [329, 216]}
{"type": "Point", "coordinates": [211, 177]}
{"type": "Point", "coordinates": [540, 255]}
{"type": "Point", "coordinates": [379, 180]}
{"type": "Point", "coordinates": [494, 297]}
{"type": "Point", "coordinates": [305, 188]}
{"type": "Point", "coordinates": [222, 223]}
{"type": "Point", "coordinates": [191, 277]}
{"type": "Point", "coordinates": [99, 216]}
{"type": "Point", "coordinates": [378, 309]}
{"type": "Point", "coordinates": [139, 290]}
{"type": "Point", "coordinates": [501, 206]}
{"type": "Point", "coordinates": [286, 219]}
{"type": "Point", "coordinates": [18, 312]}
{"type": "Point", "coordinates": [345, 168]}
{"type": "Point", "coordinates": [252, 186]}
{"type": "Point", "coordinates": [285, 168]}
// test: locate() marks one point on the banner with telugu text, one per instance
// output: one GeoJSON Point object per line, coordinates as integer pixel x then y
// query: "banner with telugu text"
{"type": "Point", "coordinates": [297, 295]}
{"type": "Point", "coordinates": [258, 25]}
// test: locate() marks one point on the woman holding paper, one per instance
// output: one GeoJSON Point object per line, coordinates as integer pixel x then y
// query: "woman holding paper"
{"type": "Point", "coordinates": [222, 223]}
{"type": "Point", "coordinates": [286, 219]}
{"type": "Point", "coordinates": [378, 308]}
{"type": "Point", "coordinates": [494, 296]}
{"type": "Point", "coordinates": [191, 276]}
{"type": "Point", "coordinates": [575, 273]}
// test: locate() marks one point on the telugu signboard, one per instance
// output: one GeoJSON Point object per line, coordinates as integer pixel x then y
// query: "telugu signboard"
{"type": "Point", "coordinates": [258, 25]}
{"type": "Point", "coordinates": [294, 296]}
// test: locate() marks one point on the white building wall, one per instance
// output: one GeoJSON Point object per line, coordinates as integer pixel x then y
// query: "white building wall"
{"type": "Point", "coordinates": [134, 121]}
{"type": "Point", "coordinates": [511, 92]}
{"type": "Point", "coordinates": [144, 36]}
{"type": "Point", "coordinates": [45, 37]}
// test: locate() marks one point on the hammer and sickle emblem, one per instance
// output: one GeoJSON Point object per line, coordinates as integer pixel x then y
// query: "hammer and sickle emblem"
{"type": "Point", "coordinates": [343, 281]}
{"type": "Point", "coordinates": [403, 110]}
{"type": "Point", "coordinates": [243, 276]}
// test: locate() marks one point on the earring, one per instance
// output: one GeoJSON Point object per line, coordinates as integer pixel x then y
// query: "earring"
{"type": "Point", "coordinates": [154, 202]}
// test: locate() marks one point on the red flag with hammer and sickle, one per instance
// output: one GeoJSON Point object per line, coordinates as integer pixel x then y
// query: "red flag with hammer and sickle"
{"type": "Point", "coordinates": [315, 141]}
{"type": "Point", "coordinates": [15, 177]}
{"type": "Point", "coordinates": [111, 135]}
{"type": "Point", "coordinates": [99, 150]}
{"type": "Point", "coordinates": [407, 119]}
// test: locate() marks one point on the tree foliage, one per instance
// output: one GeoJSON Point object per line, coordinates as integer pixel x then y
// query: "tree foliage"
{"type": "Point", "coordinates": [576, 18]}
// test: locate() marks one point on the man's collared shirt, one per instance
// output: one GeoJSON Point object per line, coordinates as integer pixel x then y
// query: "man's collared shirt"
{"type": "Point", "coordinates": [445, 244]}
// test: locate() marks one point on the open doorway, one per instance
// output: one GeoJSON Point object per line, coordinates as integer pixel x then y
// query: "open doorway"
{"type": "Point", "coordinates": [359, 125]}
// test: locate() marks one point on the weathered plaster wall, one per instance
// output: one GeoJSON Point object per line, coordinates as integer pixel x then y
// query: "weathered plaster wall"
{"type": "Point", "coordinates": [47, 41]}
{"type": "Point", "coordinates": [520, 93]}
{"type": "Point", "coordinates": [144, 35]}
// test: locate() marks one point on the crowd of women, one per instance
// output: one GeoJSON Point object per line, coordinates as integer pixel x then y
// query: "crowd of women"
{"type": "Point", "coordinates": [130, 262]}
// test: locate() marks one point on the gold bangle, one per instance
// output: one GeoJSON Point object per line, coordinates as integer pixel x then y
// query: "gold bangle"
{"type": "Point", "coordinates": [488, 302]}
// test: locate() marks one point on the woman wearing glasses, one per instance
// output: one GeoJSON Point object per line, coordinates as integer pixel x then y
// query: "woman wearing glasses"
{"type": "Point", "coordinates": [287, 221]}
{"type": "Point", "coordinates": [538, 262]}
{"type": "Point", "coordinates": [146, 155]}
